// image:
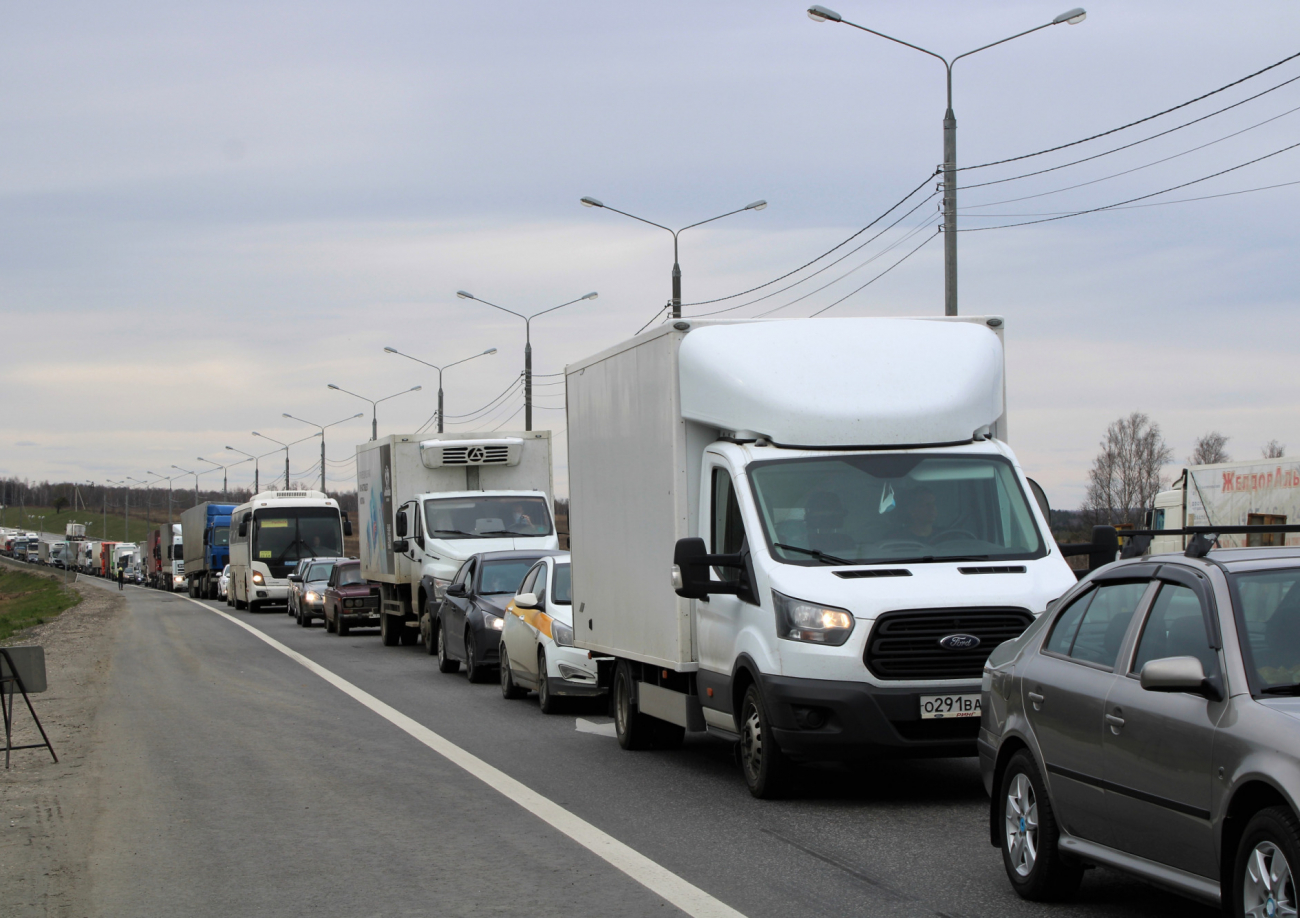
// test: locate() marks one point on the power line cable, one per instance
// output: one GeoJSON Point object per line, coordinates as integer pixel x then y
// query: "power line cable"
{"type": "Point", "coordinates": [1204, 197]}
{"type": "Point", "coordinates": [1093, 210]}
{"type": "Point", "coordinates": [1124, 127]}
{"type": "Point", "coordinates": [923, 244]}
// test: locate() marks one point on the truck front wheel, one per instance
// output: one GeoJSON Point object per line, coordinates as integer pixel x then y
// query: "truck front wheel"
{"type": "Point", "coordinates": [389, 629]}
{"type": "Point", "coordinates": [767, 770]}
{"type": "Point", "coordinates": [633, 729]}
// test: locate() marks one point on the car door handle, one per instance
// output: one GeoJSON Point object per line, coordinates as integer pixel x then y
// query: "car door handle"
{"type": "Point", "coordinates": [1116, 723]}
{"type": "Point", "coordinates": [1037, 700]}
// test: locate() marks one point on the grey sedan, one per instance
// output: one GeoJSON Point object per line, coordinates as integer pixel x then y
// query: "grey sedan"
{"type": "Point", "coordinates": [1150, 722]}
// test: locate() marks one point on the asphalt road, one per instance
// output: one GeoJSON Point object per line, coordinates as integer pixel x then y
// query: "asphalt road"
{"type": "Point", "coordinates": [237, 781]}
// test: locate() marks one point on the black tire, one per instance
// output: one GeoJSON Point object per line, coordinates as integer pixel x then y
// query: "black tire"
{"type": "Point", "coordinates": [765, 766]}
{"type": "Point", "coordinates": [427, 635]}
{"type": "Point", "coordinates": [331, 624]}
{"type": "Point", "coordinates": [632, 728]}
{"type": "Point", "coordinates": [407, 635]}
{"type": "Point", "coordinates": [342, 627]}
{"type": "Point", "coordinates": [548, 703]}
{"type": "Point", "coordinates": [387, 630]}
{"type": "Point", "coordinates": [474, 670]}
{"type": "Point", "coordinates": [240, 606]}
{"type": "Point", "coordinates": [254, 607]}
{"type": "Point", "coordinates": [445, 663]}
{"type": "Point", "coordinates": [1273, 833]}
{"type": "Point", "coordinates": [509, 690]}
{"type": "Point", "coordinates": [1024, 811]}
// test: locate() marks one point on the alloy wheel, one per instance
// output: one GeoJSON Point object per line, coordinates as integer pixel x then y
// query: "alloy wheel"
{"type": "Point", "coordinates": [1022, 825]}
{"type": "Point", "coordinates": [1268, 889]}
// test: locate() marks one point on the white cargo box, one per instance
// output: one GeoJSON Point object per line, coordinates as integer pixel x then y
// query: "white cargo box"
{"type": "Point", "coordinates": [640, 415]}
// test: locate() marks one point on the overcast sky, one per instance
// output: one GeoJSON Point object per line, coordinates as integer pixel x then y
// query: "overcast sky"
{"type": "Point", "coordinates": [212, 210]}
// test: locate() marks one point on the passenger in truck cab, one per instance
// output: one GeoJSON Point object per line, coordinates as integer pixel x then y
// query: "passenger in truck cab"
{"type": "Point", "coordinates": [917, 512]}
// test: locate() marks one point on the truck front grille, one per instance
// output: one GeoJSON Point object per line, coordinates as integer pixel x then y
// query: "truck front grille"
{"type": "Point", "coordinates": [906, 644]}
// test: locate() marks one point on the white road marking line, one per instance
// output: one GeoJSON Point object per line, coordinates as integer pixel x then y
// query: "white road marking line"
{"type": "Point", "coordinates": [582, 725]}
{"type": "Point", "coordinates": [659, 880]}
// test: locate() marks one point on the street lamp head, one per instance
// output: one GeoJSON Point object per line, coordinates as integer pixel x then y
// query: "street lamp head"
{"type": "Point", "coordinates": [822, 14]}
{"type": "Point", "coordinates": [415, 388]}
{"type": "Point", "coordinates": [256, 434]}
{"type": "Point", "coordinates": [490, 350]}
{"type": "Point", "coordinates": [1073, 17]}
{"type": "Point", "coordinates": [591, 296]}
{"type": "Point", "coordinates": [286, 415]}
{"type": "Point", "coordinates": [357, 415]}
{"type": "Point", "coordinates": [590, 202]}
{"type": "Point", "coordinates": [330, 386]}
{"type": "Point", "coordinates": [390, 350]}
{"type": "Point", "coordinates": [757, 205]}
{"type": "Point", "coordinates": [465, 296]}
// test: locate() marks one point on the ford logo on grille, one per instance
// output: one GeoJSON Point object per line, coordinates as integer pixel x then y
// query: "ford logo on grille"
{"type": "Point", "coordinates": [959, 642]}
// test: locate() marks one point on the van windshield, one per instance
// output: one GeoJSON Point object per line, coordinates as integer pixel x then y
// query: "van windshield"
{"type": "Point", "coordinates": [487, 517]}
{"type": "Point", "coordinates": [894, 508]}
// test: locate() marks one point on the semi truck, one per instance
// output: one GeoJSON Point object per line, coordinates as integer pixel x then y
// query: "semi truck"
{"type": "Point", "coordinates": [803, 536]}
{"type": "Point", "coordinates": [74, 532]}
{"type": "Point", "coordinates": [166, 557]}
{"type": "Point", "coordinates": [1261, 492]}
{"type": "Point", "coordinates": [122, 558]}
{"type": "Point", "coordinates": [271, 533]}
{"type": "Point", "coordinates": [427, 503]}
{"type": "Point", "coordinates": [205, 534]}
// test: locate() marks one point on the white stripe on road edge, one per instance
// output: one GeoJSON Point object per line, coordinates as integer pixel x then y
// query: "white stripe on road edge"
{"type": "Point", "coordinates": [659, 880]}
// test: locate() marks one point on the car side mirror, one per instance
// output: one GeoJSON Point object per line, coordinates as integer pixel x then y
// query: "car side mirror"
{"type": "Point", "coordinates": [1180, 674]}
{"type": "Point", "coordinates": [527, 601]}
{"type": "Point", "coordinates": [401, 546]}
{"type": "Point", "coordinates": [295, 578]}
{"type": "Point", "coordinates": [455, 589]}
{"type": "Point", "coordinates": [690, 573]}
{"type": "Point", "coordinates": [399, 525]}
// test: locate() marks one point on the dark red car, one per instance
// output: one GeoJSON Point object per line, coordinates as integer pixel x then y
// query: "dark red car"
{"type": "Point", "coordinates": [350, 602]}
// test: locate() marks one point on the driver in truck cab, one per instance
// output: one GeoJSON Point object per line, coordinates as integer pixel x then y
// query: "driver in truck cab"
{"type": "Point", "coordinates": [917, 513]}
{"type": "Point", "coordinates": [521, 522]}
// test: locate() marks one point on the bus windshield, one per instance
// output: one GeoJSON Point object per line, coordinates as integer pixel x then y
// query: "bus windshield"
{"type": "Point", "coordinates": [282, 536]}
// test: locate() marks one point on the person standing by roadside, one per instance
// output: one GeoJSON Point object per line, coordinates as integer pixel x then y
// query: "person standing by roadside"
{"type": "Point", "coordinates": [121, 578]}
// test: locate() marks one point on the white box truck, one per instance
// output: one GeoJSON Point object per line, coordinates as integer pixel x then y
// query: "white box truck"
{"type": "Point", "coordinates": [1262, 492]}
{"type": "Point", "coordinates": [803, 535]}
{"type": "Point", "coordinates": [426, 503]}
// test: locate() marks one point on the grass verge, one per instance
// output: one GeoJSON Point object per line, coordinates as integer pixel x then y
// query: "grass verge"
{"type": "Point", "coordinates": [26, 600]}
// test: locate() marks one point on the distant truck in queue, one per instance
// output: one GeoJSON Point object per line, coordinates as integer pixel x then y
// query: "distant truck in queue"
{"type": "Point", "coordinates": [1262, 492]}
{"type": "Point", "coordinates": [271, 534]}
{"type": "Point", "coordinates": [804, 536]}
{"type": "Point", "coordinates": [74, 532]}
{"type": "Point", "coordinates": [123, 557]}
{"type": "Point", "coordinates": [166, 557]}
{"type": "Point", "coordinates": [205, 534]}
{"type": "Point", "coordinates": [426, 503]}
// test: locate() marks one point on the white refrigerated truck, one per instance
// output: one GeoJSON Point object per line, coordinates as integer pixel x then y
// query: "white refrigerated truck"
{"type": "Point", "coordinates": [1262, 492]}
{"type": "Point", "coordinates": [804, 535]}
{"type": "Point", "coordinates": [426, 503]}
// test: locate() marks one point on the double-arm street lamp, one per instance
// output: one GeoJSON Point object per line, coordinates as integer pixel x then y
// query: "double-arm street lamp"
{"type": "Point", "coordinates": [168, 479]}
{"type": "Point", "coordinates": [285, 447]}
{"type": "Point", "coordinates": [225, 471]}
{"type": "Point", "coordinates": [1073, 17]}
{"type": "Point", "coordinates": [528, 347]}
{"type": "Point", "coordinates": [256, 461]}
{"type": "Point", "coordinates": [196, 480]}
{"type": "Point", "coordinates": [322, 439]}
{"type": "Point", "coordinates": [677, 270]}
{"type": "Point", "coordinates": [445, 366]}
{"type": "Point", "coordinates": [374, 402]}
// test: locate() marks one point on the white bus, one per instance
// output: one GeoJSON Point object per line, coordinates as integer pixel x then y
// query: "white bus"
{"type": "Point", "coordinates": [270, 534]}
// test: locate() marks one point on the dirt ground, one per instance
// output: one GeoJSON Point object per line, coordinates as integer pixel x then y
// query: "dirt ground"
{"type": "Point", "coordinates": [47, 809]}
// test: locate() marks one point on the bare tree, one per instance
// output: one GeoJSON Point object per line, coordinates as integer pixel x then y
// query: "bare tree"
{"type": "Point", "coordinates": [1125, 476]}
{"type": "Point", "coordinates": [1209, 449]}
{"type": "Point", "coordinates": [1273, 450]}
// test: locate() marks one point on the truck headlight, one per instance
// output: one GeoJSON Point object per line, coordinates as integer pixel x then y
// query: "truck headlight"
{"type": "Point", "coordinates": [440, 587]}
{"type": "Point", "coordinates": [493, 622]}
{"type": "Point", "coordinates": [797, 620]}
{"type": "Point", "coordinates": [258, 579]}
{"type": "Point", "coordinates": [561, 633]}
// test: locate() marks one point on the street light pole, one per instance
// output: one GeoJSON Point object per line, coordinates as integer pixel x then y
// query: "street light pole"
{"type": "Point", "coordinates": [374, 413]}
{"type": "Point", "coordinates": [528, 343]}
{"type": "Point", "coordinates": [255, 465]}
{"type": "Point", "coordinates": [196, 481]}
{"type": "Point", "coordinates": [169, 494]}
{"type": "Point", "coordinates": [677, 268]}
{"type": "Point", "coordinates": [322, 440]}
{"type": "Point", "coordinates": [447, 366]}
{"type": "Point", "coordinates": [1073, 17]}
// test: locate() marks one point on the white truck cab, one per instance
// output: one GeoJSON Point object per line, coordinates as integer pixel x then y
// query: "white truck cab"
{"type": "Point", "coordinates": [805, 535]}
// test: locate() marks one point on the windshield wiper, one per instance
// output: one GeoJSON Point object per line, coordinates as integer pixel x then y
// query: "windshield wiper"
{"type": "Point", "coordinates": [452, 532]}
{"type": "Point", "coordinates": [1292, 689]}
{"type": "Point", "coordinates": [819, 555]}
{"type": "Point", "coordinates": [929, 559]}
{"type": "Point", "coordinates": [500, 532]}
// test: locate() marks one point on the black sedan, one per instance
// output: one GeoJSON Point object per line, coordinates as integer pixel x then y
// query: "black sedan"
{"type": "Point", "coordinates": [467, 625]}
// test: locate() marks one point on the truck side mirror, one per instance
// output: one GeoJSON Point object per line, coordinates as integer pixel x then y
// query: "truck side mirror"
{"type": "Point", "coordinates": [690, 574]}
{"type": "Point", "coordinates": [401, 546]}
{"type": "Point", "coordinates": [347, 526]}
{"type": "Point", "coordinates": [400, 524]}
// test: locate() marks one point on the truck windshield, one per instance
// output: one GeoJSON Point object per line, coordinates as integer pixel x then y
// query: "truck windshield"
{"type": "Point", "coordinates": [487, 517]}
{"type": "Point", "coordinates": [894, 508]}
{"type": "Point", "coordinates": [284, 535]}
{"type": "Point", "coordinates": [221, 536]}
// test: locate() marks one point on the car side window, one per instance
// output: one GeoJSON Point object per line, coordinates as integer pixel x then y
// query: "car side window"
{"type": "Point", "coordinates": [529, 578]}
{"type": "Point", "coordinates": [1175, 628]}
{"type": "Point", "coordinates": [1101, 626]}
{"type": "Point", "coordinates": [540, 588]}
{"type": "Point", "coordinates": [465, 573]}
{"type": "Point", "coordinates": [1067, 625]}
{"type": "Point", "coordinates": [726, 527]}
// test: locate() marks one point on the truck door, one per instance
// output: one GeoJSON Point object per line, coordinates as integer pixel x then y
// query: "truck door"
{"type": "Point", "coordinates": [720, 619]}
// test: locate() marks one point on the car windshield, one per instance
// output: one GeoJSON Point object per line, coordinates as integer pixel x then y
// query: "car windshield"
{"type": "Point", "coordinates": [562, 586]}
{"type": "Point", "coordinates": [503, 576]}
{"type": "Point", "coordinates": [284, 535]}
{"type": "Point", "coordinates": [319, 572]}
{"type": "Point", "coordinates": [487, 517]}
{"type": "Point", "coordinates": [894, 508]}
{"type": "Point", "coordinates": [350, 575]}
{"type": "Point", "coordinates": [1268, 625]}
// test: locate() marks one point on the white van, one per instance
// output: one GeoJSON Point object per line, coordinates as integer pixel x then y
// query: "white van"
{"type": "Point", "coordinates": [805, 535]}
{"type": "Point", "coordinates": [271, 533]}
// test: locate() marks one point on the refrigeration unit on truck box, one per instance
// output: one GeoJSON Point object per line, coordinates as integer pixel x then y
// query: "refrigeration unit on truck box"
{"type": "Point", "coordinates": [271, 534]}
{"type": "Point", "coordinates": [205, 532]}
{"type": "Point", "coordinates": [1262, 492]}
{"type": "Point", "coordinates": [439, 499]}
{"type": "Point", "coordinates": [803, 534]}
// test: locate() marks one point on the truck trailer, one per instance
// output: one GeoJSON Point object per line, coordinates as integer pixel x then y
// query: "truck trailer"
{"type": "Point", "coordinates": [1262, 492]}
{"type": "Point", "coordinates": [205, 533]}
{"type": "Point", "coordinates": [804, 536]}
{"type": "Point", "coordinates": [427, 503]}
{"type": "Point", "coordinates": [166, 558]}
